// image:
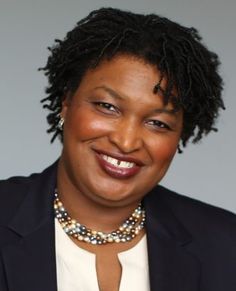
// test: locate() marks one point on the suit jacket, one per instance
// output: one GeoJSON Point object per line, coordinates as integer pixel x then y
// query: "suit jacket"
{"type": "Point", "coordinates": [191, 245]}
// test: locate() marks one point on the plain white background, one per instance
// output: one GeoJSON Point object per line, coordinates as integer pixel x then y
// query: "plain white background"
{"type": "Point", "coordinates": [205, 171]}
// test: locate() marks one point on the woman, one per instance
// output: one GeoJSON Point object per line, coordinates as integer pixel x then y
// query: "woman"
{"type": "Point", "coordinates": [125, 92]}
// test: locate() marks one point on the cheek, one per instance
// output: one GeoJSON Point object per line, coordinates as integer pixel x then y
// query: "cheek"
{"type": "Point", "coordinates": [84, 125]}
{"type": "Point", "coordinates": [164, 150]}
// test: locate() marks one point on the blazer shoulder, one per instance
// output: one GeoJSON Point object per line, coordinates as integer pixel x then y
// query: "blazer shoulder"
{"type": "Point", "coordinates": [12, 192]}
{"type": "Point", "coordinates": [15, 189]}
{"type": "Point", "coordinates": [199, 216]}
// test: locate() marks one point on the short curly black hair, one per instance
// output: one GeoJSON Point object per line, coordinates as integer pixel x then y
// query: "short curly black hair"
{"type": "Point", "coordinates": [176, 51]}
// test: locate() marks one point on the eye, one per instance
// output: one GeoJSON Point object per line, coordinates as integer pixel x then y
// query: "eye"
{"type": "Point", "coordinates": [158, 125]}
{"type": "Point", "coordinates": [106, 107]}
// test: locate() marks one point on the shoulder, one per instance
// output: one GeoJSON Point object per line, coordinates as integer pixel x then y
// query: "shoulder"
{"type": "Point", "coordinates": [184, 205]}
{"type": "Point", "coordinates": [12, 192]}
{"type": "Point", "coordinates": [14, 186]}
{"type": "Point", "coordinates": [199, 218]}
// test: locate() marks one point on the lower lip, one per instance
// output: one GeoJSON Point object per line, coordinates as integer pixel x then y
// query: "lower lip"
{"type": "Point", "coordinates": [115, 172]}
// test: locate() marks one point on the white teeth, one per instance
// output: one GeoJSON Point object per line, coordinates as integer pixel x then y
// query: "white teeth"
{"type": "Point", "coordinates": [118, 163]}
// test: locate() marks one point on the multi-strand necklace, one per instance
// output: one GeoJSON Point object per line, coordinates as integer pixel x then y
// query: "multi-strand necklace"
{"type": "Point", "coordinates": [129, 229]}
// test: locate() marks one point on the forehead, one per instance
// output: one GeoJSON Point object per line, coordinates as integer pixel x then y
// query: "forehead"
{"type": "Point", "coordinates": [123, 72]}
{"type": "Point", "coordinates": [129, 76]}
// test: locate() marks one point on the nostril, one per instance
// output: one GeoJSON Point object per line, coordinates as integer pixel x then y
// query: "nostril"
{"type": "Point", "coordinates": [126, 141]}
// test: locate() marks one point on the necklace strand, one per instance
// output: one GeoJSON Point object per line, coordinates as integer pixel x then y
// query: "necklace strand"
{"type": "Point", "coordinates": [129, 229]}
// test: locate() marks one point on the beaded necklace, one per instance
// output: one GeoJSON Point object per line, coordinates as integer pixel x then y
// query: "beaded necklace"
{"type": "Point", "coordinates": [129, 229]}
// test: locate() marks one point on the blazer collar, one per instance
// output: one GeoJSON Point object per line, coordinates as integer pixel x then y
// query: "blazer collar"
{"type": "Point", "coordinates": [30, 262]}
{"type": "Point", "coordinates": [171, 265]}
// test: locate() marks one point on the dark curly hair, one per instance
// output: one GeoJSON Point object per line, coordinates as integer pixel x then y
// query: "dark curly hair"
{"type": "Point", "coordinates": [177, 52]}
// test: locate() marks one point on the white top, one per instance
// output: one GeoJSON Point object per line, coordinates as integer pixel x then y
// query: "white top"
{"type": "Point", "coordinates": [76, 269]}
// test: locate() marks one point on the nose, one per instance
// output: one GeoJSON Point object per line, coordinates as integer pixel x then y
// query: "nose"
{"type": "Point", "coordinates": [126, 135]}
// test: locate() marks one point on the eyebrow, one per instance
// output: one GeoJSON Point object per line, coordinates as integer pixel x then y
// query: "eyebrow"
{"type": "Point", "coordinates": [118, 96]}
{"type": "Point", "coordinates": [165, 110]}
{"type": "Point", "coordinates": [110, 92]}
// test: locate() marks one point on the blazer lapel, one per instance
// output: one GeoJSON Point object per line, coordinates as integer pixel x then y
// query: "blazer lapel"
{"type": "Point", "coordinates": [30, 262]}
{"type": "Point", "coordinates": [171, 266]}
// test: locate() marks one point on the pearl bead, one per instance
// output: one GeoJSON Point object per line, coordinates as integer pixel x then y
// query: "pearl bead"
{"type": "Point", "coordinates": [126, 232]}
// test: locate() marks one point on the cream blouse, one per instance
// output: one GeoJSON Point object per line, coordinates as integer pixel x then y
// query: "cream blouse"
{"type": "Point", "coordinates": [76, 269]}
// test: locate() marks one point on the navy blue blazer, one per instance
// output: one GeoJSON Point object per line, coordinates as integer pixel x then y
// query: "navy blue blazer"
{"type": "Point", "coordinates": [191, 245]}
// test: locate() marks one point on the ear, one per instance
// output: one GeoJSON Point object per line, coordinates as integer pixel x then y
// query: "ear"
{"type": "Point", "coordinates": [65, 105]}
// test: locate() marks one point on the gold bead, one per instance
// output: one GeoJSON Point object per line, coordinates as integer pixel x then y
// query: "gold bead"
{"type": "Point", "coordinates": [110, 239]}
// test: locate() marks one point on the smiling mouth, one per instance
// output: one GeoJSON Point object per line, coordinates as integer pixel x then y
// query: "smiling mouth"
{"type": "Point", "coordinates": [117, 168]}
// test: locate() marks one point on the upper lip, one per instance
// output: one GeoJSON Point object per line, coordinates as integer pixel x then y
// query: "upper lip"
{"type": "Point", "coordinates": [121, 157]}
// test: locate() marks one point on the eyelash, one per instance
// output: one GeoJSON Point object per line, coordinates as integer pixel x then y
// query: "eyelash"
{"type": "Point", "coordinates": [157, 124]}
{"type": "Point", "coordinates": [106, 106]}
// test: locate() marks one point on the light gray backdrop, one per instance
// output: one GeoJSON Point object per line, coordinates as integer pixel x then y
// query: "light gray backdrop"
{"type": "Point", "coordinates": [206, 171]}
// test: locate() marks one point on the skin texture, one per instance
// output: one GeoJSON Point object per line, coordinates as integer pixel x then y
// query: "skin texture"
{"type": "Point", "coordinates": [115, 111]}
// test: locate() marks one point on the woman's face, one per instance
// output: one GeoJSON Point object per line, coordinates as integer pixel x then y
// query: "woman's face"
{"type": "Point", "coordinates": [119, 138]}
